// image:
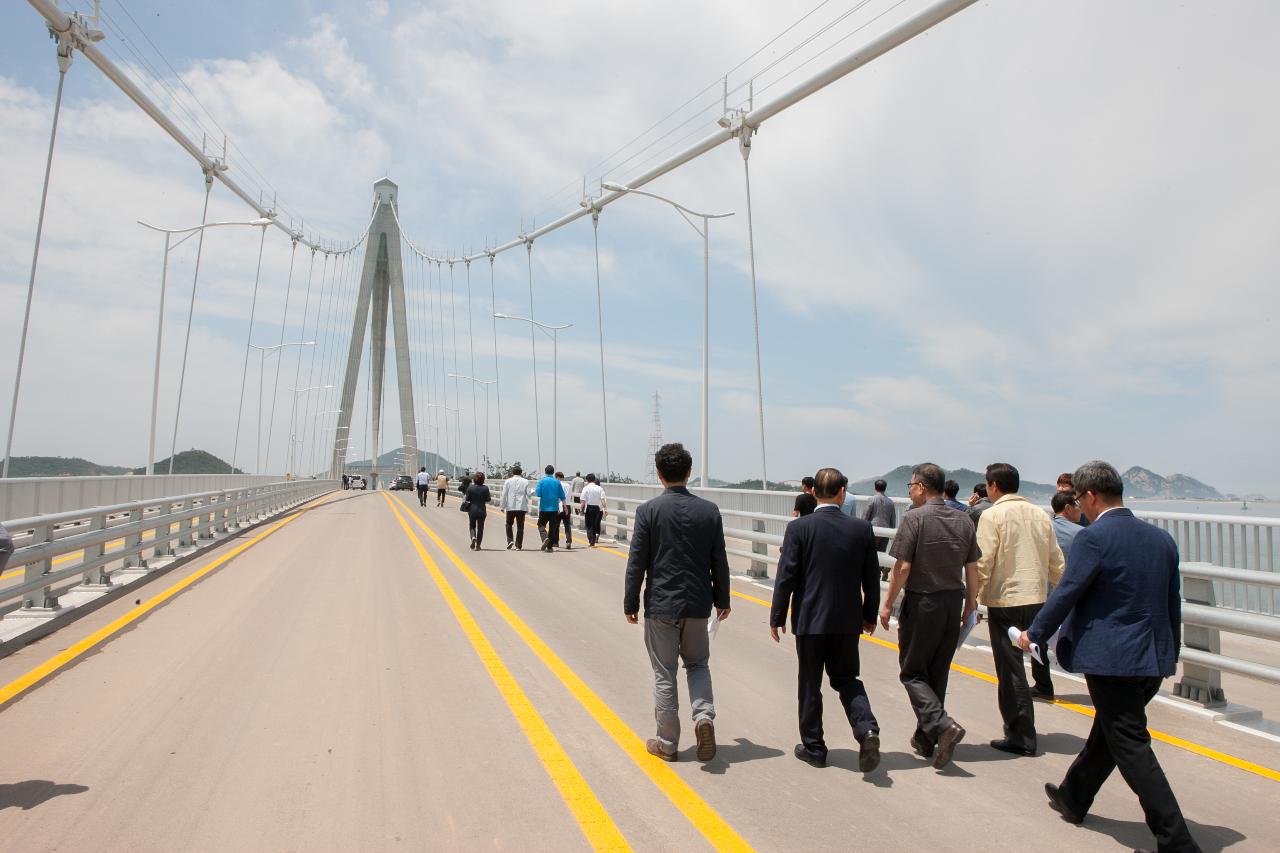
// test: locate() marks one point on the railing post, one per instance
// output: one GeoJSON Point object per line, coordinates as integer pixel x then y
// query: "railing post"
{"type": "Point", "coordinates": [1200, 683]}
{"type": "Point", "coordinates": [42, 599]}
{"type": "Point", "coordinates": [97, 576]}
{"type": "Point", "coordinates": [759, 568]}
{"type": "Point", "coordinates": [620, 528]}
{"type": "Point", "coordinates": [133, 540]}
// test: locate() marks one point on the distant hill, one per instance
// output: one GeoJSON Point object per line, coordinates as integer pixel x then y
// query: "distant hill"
{"type": "Point", "coordinates": [192, 462]}
{"type": "Point", "coordinates": [60, 466]}
{"type": "Point", "coordinates": [1142, 483]}
{"type": "Point", "coordinates": [426, 459]}
{"type": "Point", "coordinates": [898, 478]}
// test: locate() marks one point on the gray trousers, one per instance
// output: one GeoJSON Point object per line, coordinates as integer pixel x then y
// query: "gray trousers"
{"type": "Point", "coordinates": [667, 639]}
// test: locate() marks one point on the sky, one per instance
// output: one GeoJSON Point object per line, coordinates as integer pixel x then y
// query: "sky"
{"type": "Point", "coordinates": [1040, 233]}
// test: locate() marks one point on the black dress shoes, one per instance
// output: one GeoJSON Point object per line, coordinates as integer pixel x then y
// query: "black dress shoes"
{"type": "Point", "coordinates": [809, 757]}
{"type": "Point", "coordinates": [922, 748]}
{"type": "Point", "coordinates": [1006, 745]}
{"type": "Point", "coordinates": [1059, 805]}
{"type": "Point", "coordinates": [869, 753]}
{"type": "Point", "coordinates": [947, 741]}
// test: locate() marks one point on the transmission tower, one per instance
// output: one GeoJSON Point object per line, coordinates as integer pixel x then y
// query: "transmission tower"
{"type": "Point", "coordinates": [655, 440]}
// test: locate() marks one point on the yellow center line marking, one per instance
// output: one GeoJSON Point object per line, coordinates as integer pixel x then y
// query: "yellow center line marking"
{"type": "Point", "coordinates": [25, 682]}
{"type": "Point", "coordinates": [699, 813]}
{"type": "Point", "coordinates": [594, 821]}
{"type": "Point", "coordinates": [1189, 746]}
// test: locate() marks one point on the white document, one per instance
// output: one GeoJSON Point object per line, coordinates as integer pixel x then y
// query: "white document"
{"type": "Point", "coordinates": [967, 627]}
{"type": "Point", "coordinates": [713, 625]}
{"type": "Point", "coordinates": [1015, 635]}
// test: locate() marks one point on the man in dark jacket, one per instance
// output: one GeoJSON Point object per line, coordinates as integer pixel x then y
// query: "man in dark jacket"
{"type": "Point", "coordinates": [829, 576]}
{"type": "Point", "coordinates": [677, 553]}
{"type": "Point", "coordinates": [1120, 610]}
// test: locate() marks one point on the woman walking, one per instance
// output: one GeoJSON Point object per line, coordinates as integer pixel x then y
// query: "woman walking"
{"type": "Point", "coordinates": [477, 495]}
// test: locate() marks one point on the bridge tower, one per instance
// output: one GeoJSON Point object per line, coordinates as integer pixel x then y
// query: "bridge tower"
{"type": "Point", "coordinates": [382, 290]}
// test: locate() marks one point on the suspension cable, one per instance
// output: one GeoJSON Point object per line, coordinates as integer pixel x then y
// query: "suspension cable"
{"type": "Point", "coordinates": [244, 372]}
{"type": "Point", "coordinates": [471, 342]}
{"type": "Point", "coordinates": [497, 387]}
{"type": "Point", "coordinates": [604, 404]}
{"type": "Point", "coordinates": [744, 142]}
{"type": "Point", "coordinates": [297, 372]}
{"type": "Point", "coordinates": [186, 345]}
{"type": "Point", "coordinates": [275, 383]}
{"type": "Point", "coordinates": [533, 354]}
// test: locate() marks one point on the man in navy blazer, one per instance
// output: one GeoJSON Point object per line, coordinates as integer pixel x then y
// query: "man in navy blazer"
{"type": "Point", "coordinates": [829, 576]}
{"type": "Point", "coordinates": [1119, 606]}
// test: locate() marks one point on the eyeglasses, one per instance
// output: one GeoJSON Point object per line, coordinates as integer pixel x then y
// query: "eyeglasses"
{"type": "Point", "coordinates": [914, 483]}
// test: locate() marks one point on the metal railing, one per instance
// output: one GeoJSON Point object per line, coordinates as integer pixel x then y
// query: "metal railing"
{"type": "Point", "coordinates": [105, 547]}
{"type": "Point", "coordinates": [31, 496]}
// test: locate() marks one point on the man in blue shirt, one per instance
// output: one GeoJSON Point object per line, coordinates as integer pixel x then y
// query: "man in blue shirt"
{"type": "Point", "coordinates": [1066, 520]}
{"type": "Point", "coordinates": [550, 493]}
{"type": "Point", "coordinates": [949, 491]}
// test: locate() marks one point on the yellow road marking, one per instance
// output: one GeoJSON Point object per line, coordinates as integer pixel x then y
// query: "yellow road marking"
{"type": "Point", "coordinates": [25, 682]}
{"type": "Point", "coordinates": [704, 818]}
{"type": "Point", "coordinates": [594, 821]}
{"type": "Point", "coordinates": [1172, 740]}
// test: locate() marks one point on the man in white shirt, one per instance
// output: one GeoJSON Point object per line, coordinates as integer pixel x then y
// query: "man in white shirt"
{"type": "Point", "coordinates": [515, 504]}
{"type": "Point", "coordinates": [594, 508]}
{"type": "Point", "coordinates": [423, 482]}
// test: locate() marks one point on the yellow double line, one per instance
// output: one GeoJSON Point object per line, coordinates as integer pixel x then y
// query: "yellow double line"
{"type": "Point", "coordinates": [699, 813]}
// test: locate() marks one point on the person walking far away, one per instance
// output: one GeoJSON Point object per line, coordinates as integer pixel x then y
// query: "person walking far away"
{"type": "Point", "coordinates": [949, 491]}
{"type": "Point", "coordinates": [578, 485]}
{"type": "Point", "coordinates": [442, 486]}
{"type": "Point", "coordinates": [423, 482]}
{"type": "Point", "coordinates": [936, 549]}
{"type": "Point", "coordinates": [829, 577]}
{"type": "Point", "coordinates": [881, 512]}
{"type": "Point", "coordinates": [1066, 520]}
{"type": "Point", "coordinates": [805, 501]}
{"type": "Point", "coordinates": [550, 494]}
{"type": "Point", "coordinates": [594, 509]}
{"type": "Point", "coordinates": [677, 554]}
{"type": "Point", "coordinates": [1120, 610]}
{"type": "Point", "coordinates": [477, 495]}
{"type": "Point", "coordinates": [1020, 559]}
{"type": "Point", "coordinates": [566, 511]}
{"type": "Point", "coordinates": [978, 503]}
{"type": "Point", "coordinates": [515, 503]}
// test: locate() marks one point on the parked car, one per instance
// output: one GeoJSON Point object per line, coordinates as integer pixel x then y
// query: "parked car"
{"type": "Point", "coordinates": [402, 483]}
{"type": "Point", "coordinates": [358, 482]}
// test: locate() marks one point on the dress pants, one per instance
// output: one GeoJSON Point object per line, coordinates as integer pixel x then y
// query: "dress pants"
{"type": "Point", "coordinates": [592, 523]}
{"type": "Point", "coordinates": [838, 655]}
{"type": "Point", "coordinates": [928, 630]}
{"type": "Point", "coordinates": [669, 641]}
{"type": "Point", "coordinates": [516, 516]}
{"type": "Point", "coordinates": [549, 528]}
{"type": "Point", "coordinates": [566, 524]}
{"type": "Point", "coordinates": [477, 528]}
{"type": "Point", "coordinates": [1119, 738]}
{"type": "Point", "coordinates": [439, 497]}
{"type": "Point", "coordinates": [1013, 694]}
{"type": "Point", "coordinates": [422, 495]}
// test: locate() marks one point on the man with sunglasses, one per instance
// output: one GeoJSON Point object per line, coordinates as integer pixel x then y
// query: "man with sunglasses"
{"type": "Point", "coordinates": [936, 549]}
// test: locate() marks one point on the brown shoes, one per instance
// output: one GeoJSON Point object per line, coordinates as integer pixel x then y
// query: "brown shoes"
{"type": "Point", "coordinates": [654, 747]}
{"type": "Point", "coordinates": [705, 732]}
{"type": "Point", "coordinates": [947, 741]}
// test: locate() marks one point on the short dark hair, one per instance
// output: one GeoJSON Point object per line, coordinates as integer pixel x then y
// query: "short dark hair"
{"type": "Point", "coordinates": [516, 470]}
{"type": "Point", "coordinates": [1003, 475]}
{"type": "Point", "coordinates": [549, 470]}
{"type": "Point", "coordinates": [1100, 478]}
{"type": "Point", "coordinates": [828, 482]}
{"type": "Point", "coordinates": [929, 476]}
{"type": "Point", "coordinates": [479, 479]}
{"type": "Point", "coordinates": [980, 489]}
{"type": "Point", "coordinates": [1064, 479]}
{"type": "Point", "coordinates": [807, 481]}
{"type": "Point", "coordinates": [880, 485]}
{"type": "Point", "coordinates": [673, 462]}
{"type": "Point", "coordinates": [591, 478]}
{"type": "Point", "coordinates": [423, 468]}
{"type": "Point", "coordinates": [559, 475]}
{"type": "Point", "coordinates": [951, 488]}
{"type": "Point", "coordinates": [1061, 500]}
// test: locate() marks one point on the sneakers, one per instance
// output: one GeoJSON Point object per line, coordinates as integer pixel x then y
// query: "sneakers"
{"type": "Point", "coordinates": [869, 753]}
{"type": "Point", "coordinates": [654, 747]}
{"type": "Point", "coordinates": [705, 732]}
{"type": "Point", "coordinates": [510, 545]}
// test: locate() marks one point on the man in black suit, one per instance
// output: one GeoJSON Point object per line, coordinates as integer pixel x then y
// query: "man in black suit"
{"type": "Point", "coordinates": [829, 576]}
{"type": "Point", "coordinates": [1119, 606]}
{"type": "Point", "coordinates": [677, 553]}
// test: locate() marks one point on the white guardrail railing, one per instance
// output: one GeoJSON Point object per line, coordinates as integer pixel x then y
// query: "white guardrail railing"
{"type": "Point", "coordinates": [1230, 581]}
{"type": "Point", "coordinates": [64, 560]}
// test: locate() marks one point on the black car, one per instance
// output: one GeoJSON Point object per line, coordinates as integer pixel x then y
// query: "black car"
{"type": "Point", "coordinates": [403, 482]}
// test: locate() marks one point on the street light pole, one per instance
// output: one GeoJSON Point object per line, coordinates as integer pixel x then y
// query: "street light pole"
{"type": "Point", "coordinates": [164, 277]}
{"type": "Point", "coordinates": [704, 232]}
{"type": "Point", "coordinates": [553, 333]}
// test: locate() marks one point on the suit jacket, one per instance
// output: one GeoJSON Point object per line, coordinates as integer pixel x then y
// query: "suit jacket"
{"type": "Point", "coordinates": [828, 575]}
{"type": "Point", "coordinates": [1119, 604]}
{"type": "Point", "coordinates": [677, 554]}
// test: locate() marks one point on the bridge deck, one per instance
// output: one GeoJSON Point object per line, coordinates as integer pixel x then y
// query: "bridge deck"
{"type": "Point", "coordinates": [327, 690]}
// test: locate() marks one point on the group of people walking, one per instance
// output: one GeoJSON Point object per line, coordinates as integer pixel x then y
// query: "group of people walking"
{"type": "Point", "coordinates": [1113, 599]}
